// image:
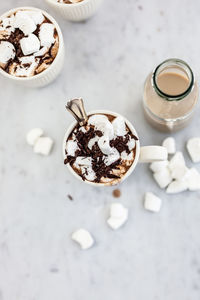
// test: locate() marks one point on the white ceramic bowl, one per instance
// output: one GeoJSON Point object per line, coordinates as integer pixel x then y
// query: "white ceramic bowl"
{"type": "Point", "coordinates": [132, 167]}
{"type": "Point", "coordinates": [77, 11]}
{"type": "Point", "coordinates": [52, 71]}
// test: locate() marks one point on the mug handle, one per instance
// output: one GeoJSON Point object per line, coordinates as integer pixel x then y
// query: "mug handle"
{"type": "Point", "coordinates": [149, 154]}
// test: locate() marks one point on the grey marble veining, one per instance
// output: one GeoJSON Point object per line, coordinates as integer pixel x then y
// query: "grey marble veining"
{"type": "Point", "coordinates": [154, 256]}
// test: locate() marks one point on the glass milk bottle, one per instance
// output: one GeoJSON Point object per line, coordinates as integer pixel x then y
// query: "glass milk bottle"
{"type": "Point", "coordinates": [170, 95]}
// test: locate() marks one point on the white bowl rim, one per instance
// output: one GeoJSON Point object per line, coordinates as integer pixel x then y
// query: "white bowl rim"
{"type": "Point", "coordinates": [132, 129]}
{"type": "Point", "coordinates": [61, 43]}
{"type": "Point", "coordinates": [68, 4]}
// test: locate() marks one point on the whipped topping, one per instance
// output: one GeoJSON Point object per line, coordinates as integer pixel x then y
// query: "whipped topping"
{"type": "Point", "coordinates": [102, 150]}
{"type": "Point", "coordinates": [24, 34]}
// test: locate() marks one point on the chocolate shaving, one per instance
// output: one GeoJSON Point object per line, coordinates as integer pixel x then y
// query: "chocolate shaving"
{"type": "Point", "coordinates": [98, 164]}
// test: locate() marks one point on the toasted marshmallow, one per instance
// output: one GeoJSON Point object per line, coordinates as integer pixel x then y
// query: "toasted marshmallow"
{"type": "Point", "coordinates": [152, 202]}
{"type": "Point", "coordinates": [170, 145]}
{"type": "Point", "coordinates": [88, 173]}
{"type": "Point", "coordinates": [101, 122]}
{"type": "Point", "coordinates": [24, 23]}
{"type": "Point", "coordinates": [7, 52]}
{"type": "Point", "coordinates": [119, 126]}
{"type": "Point", "coordinates": [104, 145]}
{"type": "Point", "coordinates": [83, 238]}
{"type": "Point", "coordinates": [33, 135]}
{"type": "Point", "coordinates": [158, 166]}
{"type": "Point", "coordinates": [163, 178]}
{"type": "Point", "coordinates": [71, 147]}
{"type": "Point", "coordinates": [177, 166]}
{"type": "Point", "coordinates": [43, 145]}
{"type": "Point", "coordinates": [131, 144]}
{"type": "Point", "coordinates": [193, 147]}
{"type": "Point", "coordinates": [8, 24]}
{"type": "Point", "coordinates": [30, 44]}
{"type": "Point", "coordinates": [192, 178]}
{"type": "Point", "coordinates": [46, 34]}
{"type": "Point", "coordinates": [41, 52]}
{"type": "Point", "coordinates": [92, 142]}
{"type": "Point", "coordinates": [26, 68]}
{"type": "Point", "coordinates": [177, 186]}
{"type": "Point", "coordinates": [118, 215]}
{"type": "Point", "coordinates": [112, 157]}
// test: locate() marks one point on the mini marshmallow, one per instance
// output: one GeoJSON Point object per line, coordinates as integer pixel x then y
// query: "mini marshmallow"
{"type": "Point", "coordinates": [131, 144]}
{"type": "Point", "coordinates": [30, 44]}
{"type": "Point", "coordinates": [46, 34]}
{"type": "Point", "coordinates": [193, 147]}
{"type": "Point", "coordinates": [95, 119]}
{"type": "Point", "coordinates": [88, 173]}
{"type": "Point", "coordinates": [83, 238]}
{"type": "Point", "coordinates": [7, 52]}
{"type": "Point", "coordinates": [104, 145]}
{"type": "Point", "coordinates": [193, 179]}
{"type": "Point", "coordinates": [43, 145]}
{"type": "Point", "coordinates": [152, 202]}
{"type": "Point", "coordinates": [24, 23]}
{"type": "Point", "coordinates": [117, 210]}
{"type": "Point", "coordinates": [125, 156]}
{"type": "Point", "coordinates": [71, 147]}
{"type": "Point", "coordinates": [169, 144]}
{"type": "Point", "coordinates": [158, 166]}
{"type": "Point", "coordinates": [101, 122]}
{"type": "Point", "coordinates": [177, 166]}
{"type": "Point", "coordinates": [112, 157]}
{"type": "Point", "coordinates": [33, 135]}
{"type": "Point", "coordinates": [118, 215]}
{"type": "Point", "coordinates": [119, 126]}
{"type": "Point", "coordinates": [83, 161]}
{"type": "Point", "coordinates": [27, 66]}
{"type": "Point", "coordinates": [41, 52]}
{"type": "Point", "coordinates": [36, 16]}
{"type": "Point", "coordinates": [177, 186]}
{"type": "Point", "coordinates": [92, 142]}
{"type": "Point", "coordinates": [8, 23]}
{"type": "Point", "coordinates": [163, 178]}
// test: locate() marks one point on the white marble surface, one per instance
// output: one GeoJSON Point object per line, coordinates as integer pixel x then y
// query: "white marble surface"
{"type": "Point", "coordinates": [153, 257]}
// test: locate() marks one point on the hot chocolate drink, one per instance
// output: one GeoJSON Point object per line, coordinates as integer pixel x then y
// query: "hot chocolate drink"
{"type": "Point", "coordinates": [102, 150]}
{"type": "Point", "coordinates": [28, 43]}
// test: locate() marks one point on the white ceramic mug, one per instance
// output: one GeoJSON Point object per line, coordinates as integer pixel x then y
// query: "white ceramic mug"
{"type": "Point", "coordinates": [76, 12]}
{"type": "Point", "coordinates": [53, 70]}
{"type": "Point", "coordinates": [141, 153]}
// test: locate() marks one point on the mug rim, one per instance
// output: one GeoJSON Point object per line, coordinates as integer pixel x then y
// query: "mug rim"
{"type": "Point", "coordinates": [61, 43]}
{"type": "Point", "coordinates": [81, 3]}
{"type": "Point", "coordinates": [137, 152]}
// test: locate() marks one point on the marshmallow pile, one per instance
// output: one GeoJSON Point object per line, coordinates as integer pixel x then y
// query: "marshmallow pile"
{"type": "Point", "coordinates": [102, 150]}
{"type": "Point", "coordinates": [41, 144]}
{"type": "Point", "coordinates": [118, 216]}
{"type": "Point", "coordinates": [28, 43]}
{"type": "Point", "coordinates": [173, 174]}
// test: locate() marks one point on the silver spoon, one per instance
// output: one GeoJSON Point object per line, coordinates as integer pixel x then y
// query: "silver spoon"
{"type": "Point", "coordinates": [76, 108]}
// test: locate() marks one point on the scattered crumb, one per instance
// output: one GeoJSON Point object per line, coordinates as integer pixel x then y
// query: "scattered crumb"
{"type": "Point", "coordinates": [162, 13]}
{"type": "Point", "coordinates": [140, 7]}
{"type": "Point", "coordinates": [158, 29]}
{"type": "Point", "coordinates": [70, 197]}
{"type": "Point", "coordinates": [116, 193]}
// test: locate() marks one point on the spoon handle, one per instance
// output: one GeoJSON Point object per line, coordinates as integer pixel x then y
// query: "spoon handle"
{"type": "Point", "coordinates": [76, 108]}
